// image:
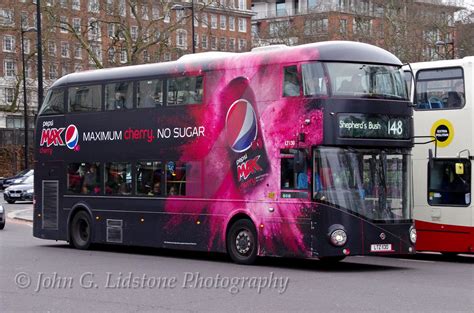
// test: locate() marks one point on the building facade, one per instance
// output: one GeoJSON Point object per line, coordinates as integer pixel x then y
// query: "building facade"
{"type": "Point", "coordinates": [408, 28]}
{"type": "Point", "coordinates": [80, 35]}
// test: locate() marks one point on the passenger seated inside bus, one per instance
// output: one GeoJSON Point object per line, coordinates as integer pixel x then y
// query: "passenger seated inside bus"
{"type": "Point", "coordinates": [90, 184]}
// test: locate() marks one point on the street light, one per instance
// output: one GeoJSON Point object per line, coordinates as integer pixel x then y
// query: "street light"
{"type": "Point", "coordinates": [39, 50]}
{"type": "Point", "coordinates": [440, 43]}
{"type": "Point", "coordinates": [25, 113]}
{"type": "Point", "coordinates": [182, 7]}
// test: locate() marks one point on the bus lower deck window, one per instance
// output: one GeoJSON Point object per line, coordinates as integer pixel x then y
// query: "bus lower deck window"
{"type": "Point", "coordinates": [118, 178]}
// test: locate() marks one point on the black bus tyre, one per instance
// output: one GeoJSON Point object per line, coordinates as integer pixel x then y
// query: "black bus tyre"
{"type": "Point", "coordinates": [242, 244]}
{"type": "Point", "coordinates": [81, 231]}
{"type": "Point", "coordinates": [331, 259]}
{"type": "Point", "coordinates": [449, 255]}
{"type": "Point", "coordinates": [2, 225]}
{"type": "Point", "coordinates": [11, 201]}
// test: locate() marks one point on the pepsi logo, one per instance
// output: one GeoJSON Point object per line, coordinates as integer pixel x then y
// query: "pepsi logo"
{"type": "Point", "coordinates": [241, 125]}
{"type": "Point", "coordinates": [72, 136]}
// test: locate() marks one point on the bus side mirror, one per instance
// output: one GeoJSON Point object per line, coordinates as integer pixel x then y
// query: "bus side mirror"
{"type": "Point", "coordinates": [299, 161]}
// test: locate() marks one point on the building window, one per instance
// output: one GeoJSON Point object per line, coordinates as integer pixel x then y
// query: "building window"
{"type": "Point", "coordinates": [181, 39]}
{"type": "Point", "coordinates": [8, 43]}
{"type": "Point", "coordinates": [94, 30]}
{"type": "Point", "coordinates": [222, 44]}
{"type": "Point", "coordinates": [213, 21]}
{"type": "Point", "coordinates": [121, 8]}
{"type": "Point", "coordinates": [6, 17]}
{"type": "Point", "coordinates": [242, 44]}
{"type": "Point", "coordinates": [111, 55]}
{"type": "Point", "coordinates": [243, 4]}
{"type": "Point", "coordinates": [26, 46]}
{"type": "Point", "coordinates": [76, 5]}
{"type": "Point", "coordinates": [111, 30]}
{"type": "Point", "coordinates": [9, 96]}
{"type": "Point", "coordinates": [78, 51]}
{"type": "Point", "coordinates": [93, 6]}
{"type": "Point", "coordinates": [24, 20]}
{"type": "Point", "coordinates": [196, 41]}
{"type": "Point", "coordinates": [231, 23]}
{"type": "Point", "coordinates": [77, 67]}
{"type": "Point", "coordinates": [204, 20]}
{"type": "Point", "coordinates": [312, 27]}
{"type": "Point", "coordinates": [231, 44]}
{"type": "Point", "coordinates": [167, 57]}
{"type": "Point", "coordinates": [53, 71]}
{"type": "Point", "coordinates": [166, 18]}
{"type": "Point", "coordinates": [9, 68]}
{"type": "Point", "coordinates": [204, 41]}
{"type": "Point", "coordinates": [343, 26]}
{"type": "Point", "coordinates": [223, 22]}
{"type": "Point", "coordinates": [155, 13]}
{"type": "Point", "coordinates": [76, 24]}
{"type": "Point", "coordinates": [123, 56]}
{"type": "Point", "coordinates": [51, 48]}
{"type": "Point", "coordinates": [134, 33]}
{"type": "Point", "coordinates": [242, 25]}
{"type": "Point", "coordinates": [213, 43]}
{"type": "Point", "coordinates": [65, 49]}
{"type": "Point", "coordinates": [63, 24]}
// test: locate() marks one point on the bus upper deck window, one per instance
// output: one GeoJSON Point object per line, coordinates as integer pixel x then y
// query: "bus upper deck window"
{"type": "Point", "coordinates": [185, 90]}
{"type": "Point", "coordinates": [314, 81]}
{"type": "Point", "coordinates": [440, 89]}
{"type": "Point", "coordinates": [54, 103]}
{"type": "Point", "coordinates": [150, 93]}
{"type": "Point", "coordinates": [84, 98]}
{"type": "Point", "coordinates": [119, 96]}
{"type": "Point", "coordinates": [291, 84]}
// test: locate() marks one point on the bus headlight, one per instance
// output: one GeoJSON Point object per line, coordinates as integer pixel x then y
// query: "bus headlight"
{"type": "Point", "coordinates": [337, 235]}
{"type": "Point", "coordinates": [413, 235]}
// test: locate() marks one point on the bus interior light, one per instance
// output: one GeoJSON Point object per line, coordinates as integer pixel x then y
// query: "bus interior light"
{"type": "Point", "coordinates": [346, 251]}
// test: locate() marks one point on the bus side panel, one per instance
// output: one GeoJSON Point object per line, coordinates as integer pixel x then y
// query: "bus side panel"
{"type": "Point", "coordinates": [49, 218]}
{"type": "Point", "coordinates": [444, 238]}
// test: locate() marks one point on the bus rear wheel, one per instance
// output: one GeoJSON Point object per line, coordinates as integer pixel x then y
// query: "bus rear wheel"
{"type": "Point", "coordinates": [242, 242]}
{"type": "Point", "coordinates": [81, 231]}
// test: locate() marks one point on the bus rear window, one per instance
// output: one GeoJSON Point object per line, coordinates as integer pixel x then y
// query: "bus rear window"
{"type": "Point", "coordinates": [54, 103]}
{"type": "Point", "coordinates": [84, 99]}
{"type": "Point", "coordinates": [185, 90]}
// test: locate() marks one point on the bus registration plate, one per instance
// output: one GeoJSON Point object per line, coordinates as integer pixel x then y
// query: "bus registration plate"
{"type": "Point", "coordinates": [381, 247]}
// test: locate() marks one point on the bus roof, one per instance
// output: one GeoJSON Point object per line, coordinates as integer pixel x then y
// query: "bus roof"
{"type": "Point", "coordinates": [442, 63]}
{"type": "Point", "coordinates": [339, 51]}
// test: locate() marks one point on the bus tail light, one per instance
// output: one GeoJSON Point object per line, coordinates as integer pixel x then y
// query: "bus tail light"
{"type": "Point", "coordinates": [337, 235]}
{"type": "Point", "coordinates": [413, 235]}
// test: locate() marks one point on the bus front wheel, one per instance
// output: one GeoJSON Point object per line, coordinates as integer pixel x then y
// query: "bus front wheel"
{"type": "Point", "coordinates": [242, 242]}
{"type": "Point", "coordinates": [81, 231]}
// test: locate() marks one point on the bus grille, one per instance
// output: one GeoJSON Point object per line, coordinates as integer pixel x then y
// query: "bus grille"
{"type": "Point", "coordinates": [50, 204]}
{"type": "Point", "coordinates": [114, 231]}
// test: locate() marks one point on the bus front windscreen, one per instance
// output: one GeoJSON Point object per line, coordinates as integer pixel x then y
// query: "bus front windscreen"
{"type": "Point", "coordinates": [366, 81]}
{"type": "Point", "coordinates": [372, 183]}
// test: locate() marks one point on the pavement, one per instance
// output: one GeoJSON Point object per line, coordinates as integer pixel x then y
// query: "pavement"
{"type": "Point", "coordinates": [22, 215]}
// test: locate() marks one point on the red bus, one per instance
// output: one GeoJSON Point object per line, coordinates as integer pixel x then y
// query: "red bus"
{"type": "Point", "coordinates": [301, 151]}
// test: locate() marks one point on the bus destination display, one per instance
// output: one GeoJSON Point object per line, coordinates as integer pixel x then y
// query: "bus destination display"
{"type": "Point", "coordinates": [373, 126]}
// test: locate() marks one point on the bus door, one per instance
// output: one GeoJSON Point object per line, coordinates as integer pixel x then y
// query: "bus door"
{"type": "Point", "coordinates": [449, 197]}
{"type": "Point", "coordinates": [47, 192]}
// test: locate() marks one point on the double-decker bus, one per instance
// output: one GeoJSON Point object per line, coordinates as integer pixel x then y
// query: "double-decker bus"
{"type": "Point", "coordinates": [443, 210]}
{"type": "Point", "coordinates": [301, 151]}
